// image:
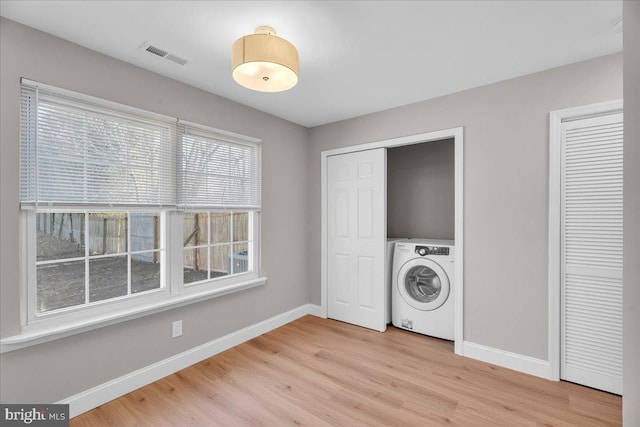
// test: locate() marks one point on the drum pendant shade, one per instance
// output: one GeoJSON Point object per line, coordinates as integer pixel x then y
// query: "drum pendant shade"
{"type": "Point", "coordinates": [264, 62]}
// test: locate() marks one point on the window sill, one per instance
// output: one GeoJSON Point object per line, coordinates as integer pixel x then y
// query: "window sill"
{"type": "Point", "coordinates": [44, 334]}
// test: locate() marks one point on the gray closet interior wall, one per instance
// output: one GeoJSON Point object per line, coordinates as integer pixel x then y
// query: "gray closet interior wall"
{"type": "Point", "coordinates": [420, 190]}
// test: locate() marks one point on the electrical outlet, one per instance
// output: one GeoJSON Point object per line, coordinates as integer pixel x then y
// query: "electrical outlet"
{"type": "Point", "coordinates": [176, 329]}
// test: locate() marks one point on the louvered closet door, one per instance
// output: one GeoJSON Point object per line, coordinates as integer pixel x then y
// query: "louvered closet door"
{"type": "Point", "coordinates": [592, 252]}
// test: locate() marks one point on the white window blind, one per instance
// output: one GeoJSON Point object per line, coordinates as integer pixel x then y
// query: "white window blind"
{"type": "Point", "coordinates": [81, 151]}
{"type": "Point", "coordinates": [217, 169]}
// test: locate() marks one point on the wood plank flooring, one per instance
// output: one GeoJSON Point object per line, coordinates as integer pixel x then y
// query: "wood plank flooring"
{"type": "Point", "coordinates": [320, 372]}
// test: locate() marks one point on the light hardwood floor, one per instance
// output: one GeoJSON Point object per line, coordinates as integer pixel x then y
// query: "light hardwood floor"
{"type": "Point", "coordinates": [321, 372]}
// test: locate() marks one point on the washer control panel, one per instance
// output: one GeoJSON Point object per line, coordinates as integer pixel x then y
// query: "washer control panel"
{"type": "Point", "coordinates": [432, 250]}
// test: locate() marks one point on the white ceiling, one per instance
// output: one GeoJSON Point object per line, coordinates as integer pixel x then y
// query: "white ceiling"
{"type": "Point", "coordinates": [356, 57]}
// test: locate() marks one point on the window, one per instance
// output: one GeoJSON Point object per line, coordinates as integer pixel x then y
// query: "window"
{"type": "Point", "coordinates": [217, 172]}
{"type": "Point", "coordinates": [217, 244]}
{"type": "Point", "coordinates": [117, 200]}
{"type": "Point", "coordinates": [80, 153]}
{"type": "Point", "coordinates": [87, 257]}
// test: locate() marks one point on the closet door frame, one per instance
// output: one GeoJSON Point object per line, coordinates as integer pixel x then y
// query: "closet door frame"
{"type": "Point", "coordinates": [555, 193]}
{"type": "Point", "coordinates": [458, 137]}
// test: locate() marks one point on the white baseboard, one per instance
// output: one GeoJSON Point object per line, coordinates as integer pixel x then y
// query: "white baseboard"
{"type": "Point", "coordinates": [110, 390]}
{"type": "Point", "coordinates": [506, 359]}
{"type": "Point", "coordinates": [315, 310]}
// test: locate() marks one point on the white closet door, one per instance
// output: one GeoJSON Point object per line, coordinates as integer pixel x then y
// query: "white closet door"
{"type": "Point", "coordinates": [591, 347]}
{"type": "Point", "coordinates": [356, 240]}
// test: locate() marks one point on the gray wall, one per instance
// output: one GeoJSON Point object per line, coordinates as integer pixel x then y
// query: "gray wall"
{"type": "Point", "coordinates": [420, 190]}
{"type": "Point", "coordinates": [506, 189]}
{"type": "Point", "coordinates": [58, 369]}
{"type": "Point", "coordinates": [506, 180]}
{"type": "Point", "coordinates": [631, 382]}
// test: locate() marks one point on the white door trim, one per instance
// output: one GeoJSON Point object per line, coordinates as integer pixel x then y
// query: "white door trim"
{"type": "Point", "coordinates": [458, 136]}
{"type": "Point", "coordinates": [555, 168]}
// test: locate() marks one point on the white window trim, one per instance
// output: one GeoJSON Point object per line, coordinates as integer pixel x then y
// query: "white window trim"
{"type": "Point", "coordinates": [103, 103]}
{"type": "Point", "coordinates": [86, 318]}
{"type": "Point", "coordinates": [175, 275]}
{"type": "Point", "coordinates": [80, 312]}
{"type": "Point", "coordinates": [253, 227]}
{"type": "Point", "coordinates": [51, 326]}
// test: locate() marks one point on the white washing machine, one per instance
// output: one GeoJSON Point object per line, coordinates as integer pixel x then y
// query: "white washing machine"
{"type": "Point", "coordinates": [388, 269]}
{"type": "Point", "coordinates": [422, 287]}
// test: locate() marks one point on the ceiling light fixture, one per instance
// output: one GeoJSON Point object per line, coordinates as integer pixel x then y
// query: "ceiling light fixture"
{"type": "Point", "coordinates": [264, 62]}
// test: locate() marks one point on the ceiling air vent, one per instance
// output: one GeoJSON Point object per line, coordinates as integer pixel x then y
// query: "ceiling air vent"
{"type": "Point", "coordinates": [164, 53]}
{"type": "Point", "coordinates": [176, 58]}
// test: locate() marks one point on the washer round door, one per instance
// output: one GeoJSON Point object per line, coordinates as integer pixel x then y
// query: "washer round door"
{"type": "Point", "coordinates": [423, 284]}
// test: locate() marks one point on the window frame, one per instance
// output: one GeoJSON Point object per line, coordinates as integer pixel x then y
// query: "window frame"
{"type": "Point", "coordinates": [218, 283]}
{"type": "Point", "coordinates": [174, 292]}
{"type": "Point", "coordinates": [251, 226]}
{"type": "Point", "coordinates": [42, 327]}
{"type": "Point", "coordinates": [32, 286]}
